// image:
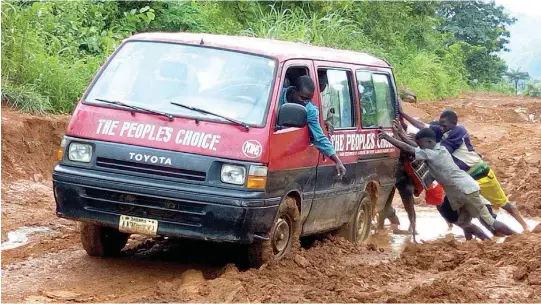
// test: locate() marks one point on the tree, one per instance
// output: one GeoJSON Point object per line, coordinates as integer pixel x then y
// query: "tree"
{"type": "Point", "coordinates": [478, 23]}
{"type": "Point", "coordinates": [516, 76]}
{"type": "Point", "coordinates": [483, 26]}
{"type": "Point", "coordinates": [483, 67]}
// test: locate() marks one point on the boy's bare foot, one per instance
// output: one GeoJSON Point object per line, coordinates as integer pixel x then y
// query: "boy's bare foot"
{"type": "Point", "coordinates": [401, 231]}
{"type": "Point", "coordinates": [410, 230]}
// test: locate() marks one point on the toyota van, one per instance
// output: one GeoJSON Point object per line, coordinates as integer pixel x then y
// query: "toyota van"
{"type": "Point", "coordinates": [182, 135]}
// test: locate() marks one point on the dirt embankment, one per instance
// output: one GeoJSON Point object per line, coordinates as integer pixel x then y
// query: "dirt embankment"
{"type": "Point", "coordinates": [29, 145]}
{"type": "Point", "coordinates": [52, 266]}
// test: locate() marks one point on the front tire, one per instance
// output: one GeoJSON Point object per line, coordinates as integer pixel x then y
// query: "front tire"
{"type": "Point", "coordinates": [102, 241]}
{"type": "Point", "coordinates": [358, 228]}
{"type": "Point", "coordinates": [283, 235]}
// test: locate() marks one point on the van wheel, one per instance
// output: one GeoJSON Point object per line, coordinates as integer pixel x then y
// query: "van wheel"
{"type": "Point", "coordinates": [284, 233]}
{"type": "Point", "coordinates": [102, 241]}
{"type": "Point", "coordinates": [358, 227]}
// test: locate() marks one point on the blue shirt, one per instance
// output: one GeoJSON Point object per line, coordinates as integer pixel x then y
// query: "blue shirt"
{"type": "Point", "coordinates": [322, 142]}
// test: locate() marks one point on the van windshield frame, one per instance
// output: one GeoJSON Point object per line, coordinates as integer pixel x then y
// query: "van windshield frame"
{"type": "Point", "coordinates": [254, 73]}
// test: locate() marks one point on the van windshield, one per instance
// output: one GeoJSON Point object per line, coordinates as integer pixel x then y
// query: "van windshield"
{"type": "Point", "coordinates": [154, 75]}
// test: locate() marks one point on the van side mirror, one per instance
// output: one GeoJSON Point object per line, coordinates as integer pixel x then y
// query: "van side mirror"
{"type": "Point", "coordinates": [292, 115]}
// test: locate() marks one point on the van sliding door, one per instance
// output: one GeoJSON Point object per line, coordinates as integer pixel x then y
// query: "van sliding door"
{"type": "Point", "coordinates": [335, 197]}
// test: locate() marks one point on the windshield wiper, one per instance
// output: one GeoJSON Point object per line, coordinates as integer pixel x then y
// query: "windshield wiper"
{"type": "Point", "coordinates": [119, 103]}
{"type": "Point", "coordinates": [240, 123]}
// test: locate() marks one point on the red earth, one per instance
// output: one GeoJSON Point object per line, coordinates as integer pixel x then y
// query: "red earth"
{"type": "Point", "coordinates": [52, 267]}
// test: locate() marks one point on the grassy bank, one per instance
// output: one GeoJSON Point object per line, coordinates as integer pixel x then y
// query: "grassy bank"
{"type": "Point", "coordinates": [51, 50]}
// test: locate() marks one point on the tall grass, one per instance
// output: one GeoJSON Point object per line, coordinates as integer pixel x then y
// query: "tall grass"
{"type": "Point", "coordinates": [430, 76]}
{"type": "Point", "coordinates": [51, 50]}
{"type": "Point", "coordinates": [500, 88]}
{"type": "Point", "coordinates": [37, 75]}
{"type": "Point", "coordinates": [25, 98]}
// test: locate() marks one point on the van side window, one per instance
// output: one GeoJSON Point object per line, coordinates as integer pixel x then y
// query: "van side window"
{"type": "Point", "coordinates": [337, 106]}
{"type": "Point", "coordinates": [292, 74]}
{"type": "Point", "coordinates": [376, 99]}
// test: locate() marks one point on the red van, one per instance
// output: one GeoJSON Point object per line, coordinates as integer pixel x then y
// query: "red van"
{"type": "Point", "coordinates": [182, 135]}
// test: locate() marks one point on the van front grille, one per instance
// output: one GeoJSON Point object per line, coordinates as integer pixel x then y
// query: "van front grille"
{"type": "Point", "coordinates": [150, 169]}
{"type": "Point", "coordinates": [178, 211]}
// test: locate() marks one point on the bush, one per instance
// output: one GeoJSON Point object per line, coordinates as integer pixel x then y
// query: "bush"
{"type": "Point", "coordinates": [533, 89]}
{"type": "Point", "coordinates": [51, 50]}
{"type": "Point", "coordinates": [430, 77]}
{"type": "Point", "coordinates": [500, 88]}
{"type": "Point", "coordinates": [25, 98]}
{"type": "Point", "coordinates": [426, 74]}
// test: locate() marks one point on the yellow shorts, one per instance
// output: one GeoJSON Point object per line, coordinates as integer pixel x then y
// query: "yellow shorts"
{"type": "Point", "coordinates": [492, 190]}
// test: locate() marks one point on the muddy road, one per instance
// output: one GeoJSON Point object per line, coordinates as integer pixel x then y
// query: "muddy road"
{"type": "Point", "coordinates": [42, 259]}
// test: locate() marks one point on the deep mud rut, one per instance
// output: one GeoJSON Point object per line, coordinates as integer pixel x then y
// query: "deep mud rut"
{"type": "Point", "coordinates": [42, 259]}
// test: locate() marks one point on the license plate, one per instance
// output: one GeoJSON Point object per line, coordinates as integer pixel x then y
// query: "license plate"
{"type": "Point", "coordinates": [132, 224]}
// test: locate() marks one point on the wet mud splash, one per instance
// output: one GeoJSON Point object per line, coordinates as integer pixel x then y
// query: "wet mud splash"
{"type": "Point", "coordinates": [19, 237]}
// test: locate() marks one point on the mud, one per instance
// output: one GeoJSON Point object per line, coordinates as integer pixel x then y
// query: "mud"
{"type": "Point", "coordinates": [50, 266]}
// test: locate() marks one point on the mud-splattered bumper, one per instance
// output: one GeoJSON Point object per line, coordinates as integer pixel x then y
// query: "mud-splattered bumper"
{"type": "Point", "coordinates": [203, 213]}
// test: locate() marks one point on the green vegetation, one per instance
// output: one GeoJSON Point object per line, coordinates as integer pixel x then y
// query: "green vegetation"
{"type": "Point", "coordinates": [51, 50]}
{"type": "Point", "coordinates": [533, 89]}
{"type": "Point", "coordinates": [516, 76]}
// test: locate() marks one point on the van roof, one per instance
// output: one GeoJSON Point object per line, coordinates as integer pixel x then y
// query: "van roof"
{"type": "Point", "coordinates": [281, 50]}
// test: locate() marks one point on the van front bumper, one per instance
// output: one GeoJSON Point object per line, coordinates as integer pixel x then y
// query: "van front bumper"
{"type": "Point", "coordinates": [211, 214]}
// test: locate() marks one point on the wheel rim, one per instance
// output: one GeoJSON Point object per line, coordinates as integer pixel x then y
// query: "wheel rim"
{"type": "Point", "coordinates": [362, 222]}
{"type": "Point", "coordinates": [280, 236]}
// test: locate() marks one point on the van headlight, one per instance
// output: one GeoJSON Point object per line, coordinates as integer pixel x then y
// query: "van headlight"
{"type": "Point", "coordinates": [235, 175]}
{"type": "Point", "coordinates": [79, 152]}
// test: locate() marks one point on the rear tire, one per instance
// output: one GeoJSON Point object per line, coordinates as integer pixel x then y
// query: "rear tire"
{"type": "Point", "coordinates": [358, 228]}
{"type": "Point", "coordinates": [282, 237]}
{"type": "Point", "coordinates": [102, 241]}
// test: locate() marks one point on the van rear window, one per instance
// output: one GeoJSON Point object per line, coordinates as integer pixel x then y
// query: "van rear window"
{"type": "Point", "coordinates": [155, 74]}
{"type": "Point", "coordinates": [376, 99]}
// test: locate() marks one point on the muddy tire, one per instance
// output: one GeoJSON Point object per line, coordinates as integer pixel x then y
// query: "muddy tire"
{"type": "Point", "coordinates": [284, 235]}
{"type": "Point", "coordinates": [358, 228]}
{"type": "Point", "coordinates": [102, 241]}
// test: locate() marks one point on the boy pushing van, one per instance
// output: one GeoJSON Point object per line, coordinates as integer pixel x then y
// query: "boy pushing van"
{"type": "Point", "coordinates": [461, 189]}
{"type": "Point", "coordinates": [456, 140]}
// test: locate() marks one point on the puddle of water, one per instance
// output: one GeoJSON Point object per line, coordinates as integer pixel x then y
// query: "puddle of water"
{"type": "Point", "coordinates": [431, 226]}
{"type": "Point", "coordinates": [19, 237]}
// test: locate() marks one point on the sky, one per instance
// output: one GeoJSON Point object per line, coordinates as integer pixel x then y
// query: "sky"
{"type": "Point", "coordinates": [526, 7]}
{"type": "Point", "coordinates": [525, 39]}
